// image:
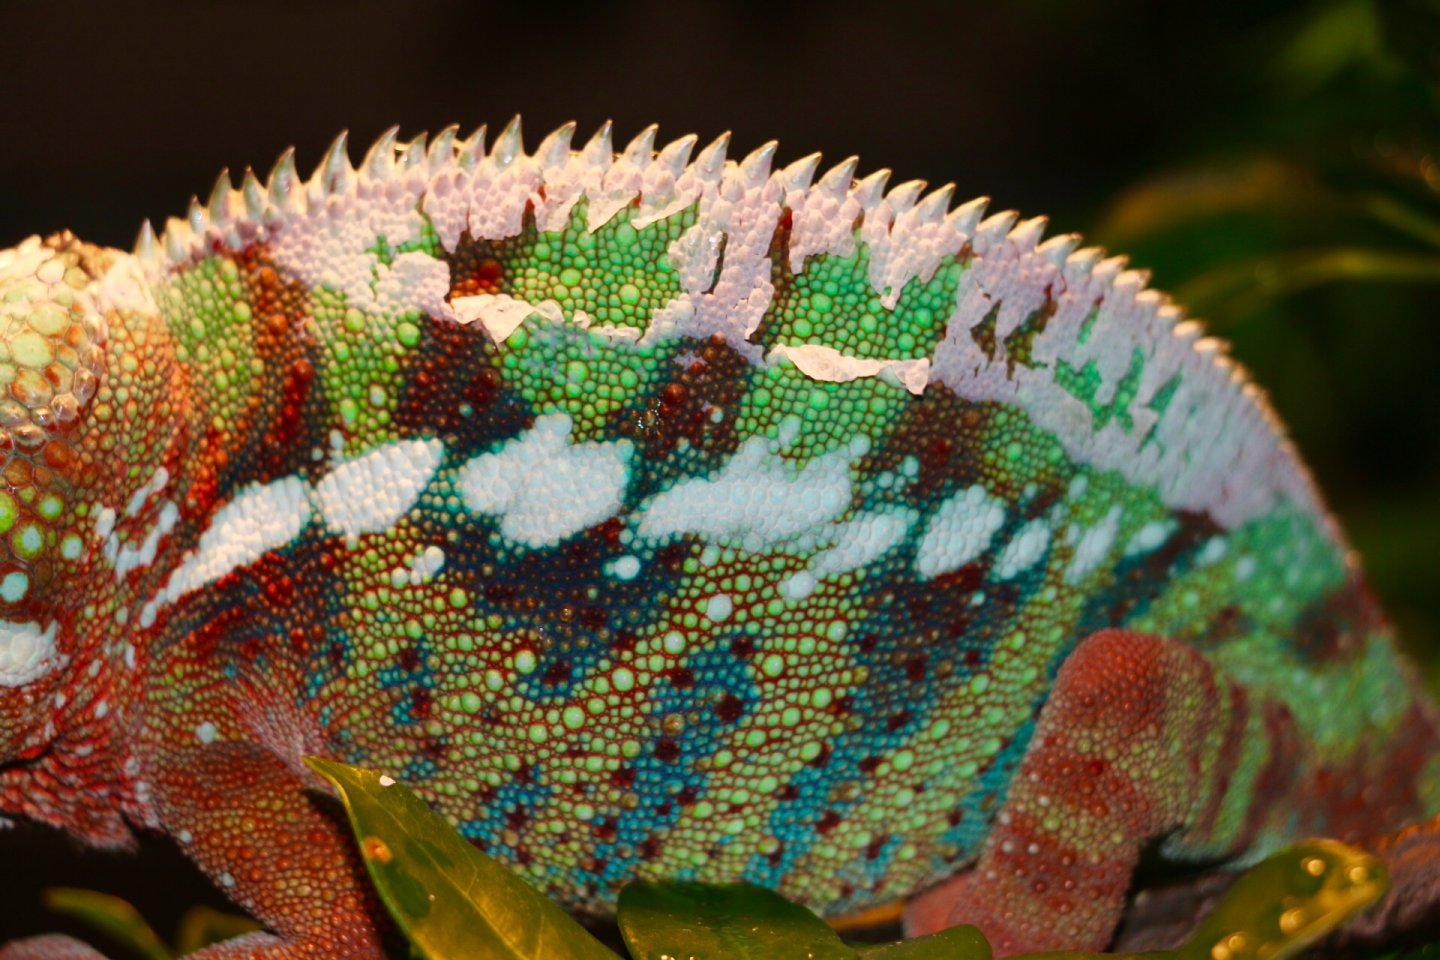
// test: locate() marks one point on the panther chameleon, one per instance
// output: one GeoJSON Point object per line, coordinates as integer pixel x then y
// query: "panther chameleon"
{"type": "Point", "coordinates": [667, 517]}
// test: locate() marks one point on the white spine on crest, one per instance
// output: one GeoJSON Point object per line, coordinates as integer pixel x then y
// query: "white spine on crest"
{"type": "Point", "coordinates": [1216, 448]}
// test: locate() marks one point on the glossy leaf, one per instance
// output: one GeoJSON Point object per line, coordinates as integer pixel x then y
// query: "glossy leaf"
{"type": "Point", "coordinates": [451, 901]}
{"type": "Point", "coordinates": [731, 922]}
{"type": "Point", "coordinates": [111, 916]}
{"type": "Point", "coordinates": [1287, 902]}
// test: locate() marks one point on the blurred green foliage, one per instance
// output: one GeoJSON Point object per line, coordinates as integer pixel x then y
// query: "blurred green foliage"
{"type": "Point", "coordinates": [1307, 232]}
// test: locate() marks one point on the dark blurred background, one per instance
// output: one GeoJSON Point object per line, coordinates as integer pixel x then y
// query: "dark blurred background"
{"type": "Point", "coordinates": [1277, 165]}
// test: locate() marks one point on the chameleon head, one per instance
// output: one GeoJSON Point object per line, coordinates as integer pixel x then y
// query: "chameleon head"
{"type": "Point", "coordinates": [52, 337]}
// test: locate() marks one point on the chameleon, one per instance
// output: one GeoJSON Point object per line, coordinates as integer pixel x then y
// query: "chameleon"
{"type": "Point", "coordinates": [656, 514]}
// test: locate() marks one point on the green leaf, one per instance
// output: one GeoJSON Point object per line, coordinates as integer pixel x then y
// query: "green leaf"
{"type": "Point", "coordinates": [1287, 902]}
{"type": "Point", "coordinates": [732, 922]}
{"type": "Point", "coordinates": [956, 943]}
{"type": "Point", "coordinates": [109, 915]}
{"type": "Point", "coordinates": [202, 926]}
{"type": "Point", "coordinates": [451, 901]}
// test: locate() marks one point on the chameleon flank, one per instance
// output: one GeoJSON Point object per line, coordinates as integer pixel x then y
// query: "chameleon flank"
{"type": "Point", "coordinates": [670, 517]}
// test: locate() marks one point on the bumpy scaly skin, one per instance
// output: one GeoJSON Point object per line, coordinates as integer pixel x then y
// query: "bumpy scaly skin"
{"type": "Point", "coordinates": [658, 518]}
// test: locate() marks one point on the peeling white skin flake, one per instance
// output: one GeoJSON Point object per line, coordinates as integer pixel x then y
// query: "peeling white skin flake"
{"type": "Point", "coordinates": [959, 531]}
{"type": "Point", "coordinates": [27, 652]}
{"type": "Point", "coordinates": [545, 488]}
{"type": "Point", "coordinates": [501, 314]}
{"type": "Point", "coordinates": [371, 492]}
{"type": "Point", "coordinates": [826, 363]}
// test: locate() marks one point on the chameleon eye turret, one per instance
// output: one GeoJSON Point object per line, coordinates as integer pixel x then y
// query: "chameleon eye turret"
{"type": "Point", "coordinates": [52, 337]}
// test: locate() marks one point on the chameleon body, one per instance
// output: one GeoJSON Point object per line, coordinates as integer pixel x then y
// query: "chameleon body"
{"type": "Point", "coordinates": [668, 517]}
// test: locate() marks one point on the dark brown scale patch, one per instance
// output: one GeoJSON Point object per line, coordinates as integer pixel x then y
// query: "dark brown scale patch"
{"type": "Point", "coordinates": [730, 708]}
{"type": "Point", "coordinates": [1229, 623]}
{"type": "Point", "coordinates": [667, 750]}
{"type": "Point", "coordinates": [453, 389]}
{"type": "Point", "coordinates": [944, 433]}
{"type": "Point", "coordinates": [556, 672]}
{"type": "Point", "coordinates": [983, 333]}
{"type": "Point", "coordinates": [685, 425]}
{"type": "Point", "coordinates": [1021, 341]}
{"type": "Point", "coordinates": [897, 721]}
{"type": "Point", "coordinates": [1335, 625]}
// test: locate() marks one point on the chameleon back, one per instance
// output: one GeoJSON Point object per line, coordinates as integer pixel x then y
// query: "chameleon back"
{"type": "Point", "coordinates": [668, 518]}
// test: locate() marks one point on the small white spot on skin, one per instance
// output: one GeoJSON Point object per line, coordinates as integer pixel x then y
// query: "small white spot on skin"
{"type": "Point", "coordinates": [799, 586]}
{"type": "Point", "coordinates": [226, 880]}
{"type": "Point", "coordinates": [1094, 546]}
{"type": "Point", "coordinates": [959, 531]}
{"type": "Point", "coordinates": [184, 836]}
{"type": "Point", "coordinates": [370, 493]}
{"type": "Point", "coordinates": [719, 607]}
{"type": "Point", "coordinates": [624, 568]}
{"type": "Point", "coordinates": [386, 780]}
{"type": "Point", "coordinates": [1213, 551]}
{"type": "Point", "coordinates": [1021, 553]}
{"type": "Point", "coordinates": [501, 314]}
{"type": "Point", "coordinates": [545, 488]}
{"type": "Point", "coordinates": [1244, 567]}
{"type": "Point", "coordinates": [206, 732]}
{"type": "Point", "coordinates": [1149, 537]}
{"type": "Point", "coordinates": [27, 653]}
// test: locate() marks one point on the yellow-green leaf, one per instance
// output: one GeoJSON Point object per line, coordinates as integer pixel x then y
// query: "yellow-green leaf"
{"type": "Point", "coordinates": [109, 915]}
{"type": "Point", "coordinates": [713, 922]}
{"type": "Point", "coordinates": [1287, 902]}
{"type": "Point", "coordinates": [449, 899]}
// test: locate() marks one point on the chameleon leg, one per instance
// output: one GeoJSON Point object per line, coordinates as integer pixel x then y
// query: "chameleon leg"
{"type": "Point", "coordinates": [253, 825]}
{"type": "Point", "coordinates": [1117, 759]}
